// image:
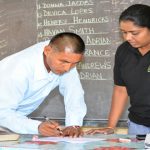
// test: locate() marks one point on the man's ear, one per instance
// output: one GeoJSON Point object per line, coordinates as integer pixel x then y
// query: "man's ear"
{"type": "Point", "coordinates": [47, 49]}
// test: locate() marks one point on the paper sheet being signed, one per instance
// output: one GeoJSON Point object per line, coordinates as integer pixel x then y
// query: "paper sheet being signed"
{"type": "Point", "coordinates": [68, 139]}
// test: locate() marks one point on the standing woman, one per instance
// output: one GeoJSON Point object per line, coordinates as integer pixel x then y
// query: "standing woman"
{"type": "Point", "coordinates": [132, 72]}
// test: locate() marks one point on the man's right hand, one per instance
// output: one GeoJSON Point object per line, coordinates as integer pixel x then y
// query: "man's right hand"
{"type": "Point", "coordinates": [49, 128]}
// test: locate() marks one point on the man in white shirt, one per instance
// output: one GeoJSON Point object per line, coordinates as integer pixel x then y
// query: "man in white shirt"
{"type": "Point", "coordinates": [27, 77]}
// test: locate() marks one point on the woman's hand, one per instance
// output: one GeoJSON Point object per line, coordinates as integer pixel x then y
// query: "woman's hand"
{"type": "Point", "coordinates": [107, 130]}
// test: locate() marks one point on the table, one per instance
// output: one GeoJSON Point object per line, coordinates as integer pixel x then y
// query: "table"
{"type": "Point", "coordinates": [112, 142]}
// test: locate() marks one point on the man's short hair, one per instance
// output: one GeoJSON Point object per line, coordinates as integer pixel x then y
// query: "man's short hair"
{"type": "Point", "coordinates": [61, 40]}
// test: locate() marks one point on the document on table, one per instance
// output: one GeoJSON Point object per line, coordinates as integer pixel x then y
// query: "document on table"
{"type": "Point", "coordinates": [68, 139]}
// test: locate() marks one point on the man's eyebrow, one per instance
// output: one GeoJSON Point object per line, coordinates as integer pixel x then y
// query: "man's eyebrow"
{"type": "Point", "coordinates": [77, 62]}
{"type": "Point", "coordinates": [70, 62]}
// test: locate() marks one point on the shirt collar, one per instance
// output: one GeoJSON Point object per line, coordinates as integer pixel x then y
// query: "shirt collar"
{"type": "Point", "coordinates": [39, 67]}
{"type": "Point", "coordinates": [41, 71]}
{"type": "Point", "coordinates": [134, 50]}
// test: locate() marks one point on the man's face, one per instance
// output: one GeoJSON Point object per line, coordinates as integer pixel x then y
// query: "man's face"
{"type": "Point", "coordinates": [60, 62]}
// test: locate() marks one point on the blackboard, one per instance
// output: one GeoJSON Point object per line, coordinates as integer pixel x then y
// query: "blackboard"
{"type": "Point", "coordinates": [25, 22]}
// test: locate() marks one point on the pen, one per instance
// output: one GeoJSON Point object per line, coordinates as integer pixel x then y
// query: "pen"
{"type": "Point", "coordinates": [47, 119]}
{"type": "Point", "coordinates": [58, 128]}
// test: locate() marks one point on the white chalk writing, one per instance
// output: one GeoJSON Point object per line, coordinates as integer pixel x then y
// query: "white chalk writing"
{"type": "Point", "coordinates": [97, 53]}
{"type": "Point", "coordinates": [79, 17]}
{"type": "Point", "coordinates": [91, 76]}
{"type": "Point", "coordinates": [106, 65]}
{"type": "Point", "coordinates": [98, 40]}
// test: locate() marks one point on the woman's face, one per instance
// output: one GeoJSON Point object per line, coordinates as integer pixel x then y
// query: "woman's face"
{"type": "Point", "coordinates": [138, 37]}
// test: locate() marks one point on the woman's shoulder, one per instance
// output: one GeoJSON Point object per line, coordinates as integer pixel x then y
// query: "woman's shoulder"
{"type": "Point", "coordinates": [123, 49]}
{"type": "Point", "coordinates": [124, 45]}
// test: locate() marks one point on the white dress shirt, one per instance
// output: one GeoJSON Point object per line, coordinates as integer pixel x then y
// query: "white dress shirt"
{"type": "Point", "coordinates": [25, 83]}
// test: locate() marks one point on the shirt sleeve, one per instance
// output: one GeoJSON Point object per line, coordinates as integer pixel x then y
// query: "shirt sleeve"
{"type": "Point", "coordinates": [13, 87]}
{"type": "Point", "coordinates": [70, 87]}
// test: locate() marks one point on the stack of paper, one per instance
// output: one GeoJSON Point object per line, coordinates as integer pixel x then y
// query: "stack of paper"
{"type": "Point", "coordinates": [6, 136]}
{"type": "Point", "coordinates": [147, 141]}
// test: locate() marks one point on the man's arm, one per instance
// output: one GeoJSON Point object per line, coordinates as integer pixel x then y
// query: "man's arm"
{"type": "Point", "coordinates": [10, 116]}
{"type": "Point", "coordinates": [71, 88]}
{"type": "Point", "coordinates": [13, 86]}
{"type": "Point", "coordinates": [18, 123]}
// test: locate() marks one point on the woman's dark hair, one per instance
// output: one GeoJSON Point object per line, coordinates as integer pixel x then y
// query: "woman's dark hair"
{"type": "Point", "coordinates": [64, 39]}
{"type": "Point", "coordinates": [137, 13]}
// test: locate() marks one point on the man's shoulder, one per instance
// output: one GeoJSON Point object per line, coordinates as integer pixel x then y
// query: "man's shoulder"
{"type": "Point", "coordinates": [33, 50]}
{"type": "Point", "coordinates": [38, 45]}
{"type": "Point", "coordinates": [44, 43]}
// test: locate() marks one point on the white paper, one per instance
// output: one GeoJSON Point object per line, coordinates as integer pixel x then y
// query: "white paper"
{"type": "Point", "coordinates": [68, 139]}
{"type": "Point", "coordinates": [147, 141]}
